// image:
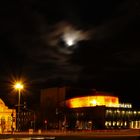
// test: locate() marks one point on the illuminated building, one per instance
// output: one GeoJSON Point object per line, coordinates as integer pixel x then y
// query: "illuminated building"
{"type": "Point", "coordinates": [98, 110]}
{"type": "Point", "coordinates": [7, 118]}
{"type": "Point", "coordinates": [91, 101]}
{"type": "Point", "coordinates": [101, 112]}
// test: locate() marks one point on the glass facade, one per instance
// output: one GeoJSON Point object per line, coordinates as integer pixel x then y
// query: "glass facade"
{"type": "Point", "coordinates": [101, 117]}
{"type": "Point", "coordinates": [122, 118]}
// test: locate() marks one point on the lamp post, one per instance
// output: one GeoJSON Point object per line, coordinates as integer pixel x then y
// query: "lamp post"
{"type": "Point", "coordinates": [18, 86]}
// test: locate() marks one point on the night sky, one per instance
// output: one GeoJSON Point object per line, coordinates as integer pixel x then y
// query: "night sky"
{"type": "Point", "coordinates": [105, 55]}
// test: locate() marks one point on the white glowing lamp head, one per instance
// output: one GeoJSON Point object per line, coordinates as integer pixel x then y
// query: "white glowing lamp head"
{"type": "Point", "coordinates": [18, 86]}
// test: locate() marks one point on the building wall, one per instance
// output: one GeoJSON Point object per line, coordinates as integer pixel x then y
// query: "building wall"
{"type": "Point", "coordinates": [27, 119]}
{"type": "Point", "coordinates": [50, 105]}
{"type": "Point", "coordinates": [95, 116]}
{"type": "Point", "coordinates": [7, 118]}
{"type": "Point", "coordinates": [122, 118]}
{"type": "Point", "coordinates": [86, 118]}
{"type": "Point", "coordinates": [101, 117]}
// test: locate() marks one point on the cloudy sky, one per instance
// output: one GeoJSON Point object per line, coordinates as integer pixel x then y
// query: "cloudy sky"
{"type": "Point", "coordinates": [84, 44]}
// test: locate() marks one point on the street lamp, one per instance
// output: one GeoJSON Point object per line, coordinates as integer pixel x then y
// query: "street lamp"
{"type": "Point", "coordinates": [18, 86]}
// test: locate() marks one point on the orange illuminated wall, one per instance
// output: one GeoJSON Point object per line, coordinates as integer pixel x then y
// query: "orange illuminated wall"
{"type": "Point", "coordinates": [90, 101]}
{"type": "Point", "coordinates": [7, 118]}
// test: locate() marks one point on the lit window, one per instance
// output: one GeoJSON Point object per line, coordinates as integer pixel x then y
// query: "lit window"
{"type": "Point", "coordinates": [118, 111]}
{"type": "Point", "coordinates": [106, 123]}
{"type": "Point", "coordinates": [114, 123]}
{"type": "Point", "coordinates": [109, 123]}
{"type": "Point", "coordinates": [118, 123]}
{"type": "Point", "coordinates": [135, 112]}
{"type": "Point", "coordinates": [121, 123]}
{"type": "Point", "coordinates": [136, 126]}
{"type": "Point", "coordinates": [125, 123]}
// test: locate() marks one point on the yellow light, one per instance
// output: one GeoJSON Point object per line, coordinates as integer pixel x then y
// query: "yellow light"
{"type": "Point", "coordinates": [118, 123]}
{"type": "Point", "coordinates": [125, 123]}
{"type": "Point", "coordinates": [89, 101]}
{"type": "Point", "coordinates": [106, 123]}
{"type": "Point", "coordinates": [93, 102]}
{"type": "Point", "coordinates": [18, 86]}
{"type": "Point", "coordinates": [5, 117]}
{"type": "Point", "coordinates": [114, 123]}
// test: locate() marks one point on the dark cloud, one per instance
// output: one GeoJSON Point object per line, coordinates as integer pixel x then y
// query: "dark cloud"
{"type": "Point", "coordinates": [105, 55]}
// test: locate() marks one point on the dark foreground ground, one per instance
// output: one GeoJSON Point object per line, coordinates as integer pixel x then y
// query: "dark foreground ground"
{"type": "Point", "coordinates": [94, 135]}
{"type": "Point", "coordinates": [71, 138]}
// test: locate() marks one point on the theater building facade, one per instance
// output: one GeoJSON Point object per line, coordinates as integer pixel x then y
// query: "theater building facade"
{"type": "Point", "coordinates": [100, 112]}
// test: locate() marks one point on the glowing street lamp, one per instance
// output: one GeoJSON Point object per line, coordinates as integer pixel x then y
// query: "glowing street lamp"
{"type": "Point", "coordinates": [18, 86]}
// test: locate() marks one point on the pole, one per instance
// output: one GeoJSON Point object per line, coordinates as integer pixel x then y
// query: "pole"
{"type": "Point", "coordinates": [34, 120]}
{"type": "Point", "coordinates": [18, 110]}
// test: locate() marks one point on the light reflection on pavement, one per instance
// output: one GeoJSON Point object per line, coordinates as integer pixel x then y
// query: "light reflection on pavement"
{"type": "Point", "coordinates": [37, 138]}
{"type": "Point", "coordinates": [32, 138]}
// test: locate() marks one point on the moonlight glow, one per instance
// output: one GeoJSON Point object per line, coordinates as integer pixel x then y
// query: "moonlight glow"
{"type": "Point", "coordinates": [70, 39]}
{"type": "Point", "coordinates": [72, 36]}
{"type": "Point", "coordinates": [70, 42]}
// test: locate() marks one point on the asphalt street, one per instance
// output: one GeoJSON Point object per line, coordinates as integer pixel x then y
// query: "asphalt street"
{"type": "Point", "coordinates": [82, 135]}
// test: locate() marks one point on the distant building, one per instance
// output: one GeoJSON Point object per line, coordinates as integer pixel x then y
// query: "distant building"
{"type": "Point", "coordinates": [96, 111]}
{"type": "Point", "coordinates": [7, 118]}
{"type": "Point", "coordinates": [27, 118]}
{"type": "Point", "coordinates": [50, 106]}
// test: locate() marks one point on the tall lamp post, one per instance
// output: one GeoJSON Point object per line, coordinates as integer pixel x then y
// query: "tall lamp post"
{"type": "Point", "coordinates": [18, 86]}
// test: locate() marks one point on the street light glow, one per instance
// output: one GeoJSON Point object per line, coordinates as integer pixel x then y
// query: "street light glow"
{"type": "Point", "coordinates": [18, 85]}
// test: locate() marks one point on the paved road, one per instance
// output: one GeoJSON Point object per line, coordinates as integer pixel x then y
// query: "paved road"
{"type": "Point", "coordinates": [69, 135]}
{"type": "Point", "coordinates": [75, 138]}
